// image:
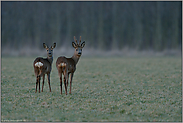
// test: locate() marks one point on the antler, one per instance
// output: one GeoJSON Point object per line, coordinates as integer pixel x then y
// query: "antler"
{"type": "Point", "coordinates": [80, 41]}
{"type": "Point", "coordinates": [75, 40]}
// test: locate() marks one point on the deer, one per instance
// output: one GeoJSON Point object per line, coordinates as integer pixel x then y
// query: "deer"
{"type": "Point", "coordinates": [43, 66]}
{"type": "Point", "coordinates": [67, 66]}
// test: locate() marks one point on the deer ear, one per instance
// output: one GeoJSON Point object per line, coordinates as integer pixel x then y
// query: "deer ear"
{"type": "Point", "coordinates": [83, 44]}
{"type": "Point", "coordinates": [74, 45]}
{"type": "Point", "coordinates": [53, 46]}
{"type": "Point", "coordinates": [44, 45]}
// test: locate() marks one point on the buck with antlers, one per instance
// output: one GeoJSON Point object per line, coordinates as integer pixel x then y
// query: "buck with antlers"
{"type": "Point", "coordinates": [42, 66]}
{"type": "Point", "coordinates": [67, 66]}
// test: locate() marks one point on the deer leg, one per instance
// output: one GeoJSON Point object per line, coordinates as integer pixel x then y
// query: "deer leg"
{"type": "Point", "coordinates": [60, 83]}
{"type": "Point", "coordinates": [39, 83]}
{"type": "Point", "coordinates": [65, 84]}
{"type": "Point", "coordinates": [48, 76]}
{"type": "Point", "coordinates": [36, 83]}
{"type": "Point", "coordinates": [71, 82]}
{"type": "Point", "coordinates": [43, 82]}
{"type": "Point", "coordinates": [67, 80]}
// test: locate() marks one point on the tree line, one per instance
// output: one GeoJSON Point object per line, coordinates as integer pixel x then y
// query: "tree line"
{"type": "Point", "coordinates": [103, 25]}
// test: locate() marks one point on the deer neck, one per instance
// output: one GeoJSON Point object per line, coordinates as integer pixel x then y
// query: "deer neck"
{"type": "Point", "coordinates": [50, 59]}
{"type": "Point", "coordinates": [75, 58]}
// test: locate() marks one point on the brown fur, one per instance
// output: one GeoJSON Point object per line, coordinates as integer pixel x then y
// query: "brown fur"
{"type": "Point", "coordinates": [70, 65]}
{"type": "Point", "coordinates": [45, 69]}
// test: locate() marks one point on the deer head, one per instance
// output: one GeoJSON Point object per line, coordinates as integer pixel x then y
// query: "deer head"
{"type": "Point", "coordinates": [78, 46]}
{"type": "Point", "coordinates": [49, 50]}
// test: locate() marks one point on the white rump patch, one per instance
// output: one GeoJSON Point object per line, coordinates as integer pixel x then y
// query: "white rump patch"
{"type": "Point", "coordinates": [39, 64]}
{"type": "Point", "coordinates": [62, 65]}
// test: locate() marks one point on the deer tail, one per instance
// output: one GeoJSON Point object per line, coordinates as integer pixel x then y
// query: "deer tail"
{"type": "Point", "coordinates": [62, 65]}
{"type": "Point", "coordinates": [38, 67]}
{"type": "Point", "coordinates": [38, 64]}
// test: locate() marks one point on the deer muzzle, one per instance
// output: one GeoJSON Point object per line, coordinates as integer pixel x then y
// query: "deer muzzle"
{"type": "Point", "coordinates": [79, 53]}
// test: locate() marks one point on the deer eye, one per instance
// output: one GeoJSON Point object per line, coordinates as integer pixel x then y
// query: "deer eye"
{"type": "Point", "coordinates": [47, 50]}
{"type": "Point", "coordinates": [81, 49]}
{"type": "Point", "coordinates": [76, 49]}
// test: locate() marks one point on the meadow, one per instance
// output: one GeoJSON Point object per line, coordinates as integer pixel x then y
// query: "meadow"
{"type": "Point", "coordinates": [104, 89]}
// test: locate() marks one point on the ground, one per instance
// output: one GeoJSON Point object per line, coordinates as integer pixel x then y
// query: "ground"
{"type": "Point", "coordinates": [104, 89]}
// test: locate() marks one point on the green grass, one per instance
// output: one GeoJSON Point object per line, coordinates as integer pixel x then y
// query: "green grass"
{"type": "Point", "coordinates": [104, 89]}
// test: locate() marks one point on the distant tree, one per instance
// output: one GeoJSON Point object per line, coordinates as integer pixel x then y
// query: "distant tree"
{"type": "Point", "coordinates": [105, 25]}
{"type": "Point", "coordinates": [100, 35]}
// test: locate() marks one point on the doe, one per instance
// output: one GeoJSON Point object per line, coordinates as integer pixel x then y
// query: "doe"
{"type": "Point", "coordinates": [42, 66]}
{"type": "Point", "coordinates": [67, 66]}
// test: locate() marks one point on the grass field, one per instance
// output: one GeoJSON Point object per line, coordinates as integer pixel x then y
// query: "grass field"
{"type": "Point", "coordinates": [104, 89]}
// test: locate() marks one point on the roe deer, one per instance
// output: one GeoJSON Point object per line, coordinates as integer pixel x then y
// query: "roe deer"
{"type": "Point", "coordinates": [67, 66]}
{"type": "Point", "coordinates": [42, 66]}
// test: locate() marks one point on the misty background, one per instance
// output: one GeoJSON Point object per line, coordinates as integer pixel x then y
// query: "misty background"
{"type": "Point", "coordinates": [109, 28]}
